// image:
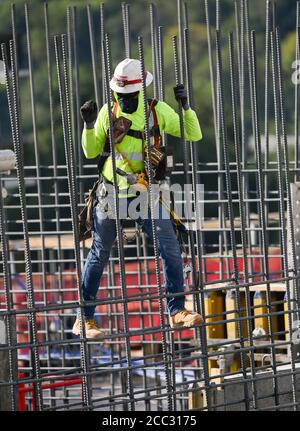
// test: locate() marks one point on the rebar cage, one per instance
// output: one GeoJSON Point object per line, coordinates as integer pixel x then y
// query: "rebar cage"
{"type": "Point", "coordinates": [241, 265]}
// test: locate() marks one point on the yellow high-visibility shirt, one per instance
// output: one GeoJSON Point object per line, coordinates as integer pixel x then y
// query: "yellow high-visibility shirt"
{"type": "Point", "coordinates": [133, 148]}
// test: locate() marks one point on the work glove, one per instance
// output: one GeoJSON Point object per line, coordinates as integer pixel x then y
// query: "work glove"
{"type": "Point", "coordinates": [181, 96]}
{"type": "Point", "coordinates": [89, 112]}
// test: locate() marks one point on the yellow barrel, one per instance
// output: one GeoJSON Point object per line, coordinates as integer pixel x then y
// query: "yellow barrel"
{"type": "Point", "coordinates": [286, 316]}
{"type": "Point", "coordinates": [197, 398]}
{"type": "Point", "coordinates": [236, 365]}
{"type": "Point", "coordinates": [260, 304]}
{"type": "Point", "coordinates": [232, 313]}
{"type": "Point", "coordinates": [214, 304]}
{"type": "Point", "coordinates": [212, 364]}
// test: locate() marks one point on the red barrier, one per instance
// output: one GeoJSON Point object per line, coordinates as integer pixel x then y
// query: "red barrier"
{"type": "Point", "coordinates": [23, 389]}
{"type": "Point", "coordinates": [137, 309]}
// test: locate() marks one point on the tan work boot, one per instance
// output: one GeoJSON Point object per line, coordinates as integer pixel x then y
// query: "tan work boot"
{"type": "Point", "coordinates": [186, 319]}
{"type": "Point", "coordinates": [92, 330]}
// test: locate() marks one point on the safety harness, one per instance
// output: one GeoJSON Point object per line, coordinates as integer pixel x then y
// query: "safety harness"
{"type": "Point", "coordinates": [138, 134]}
{"type": "Point", "coordinates": [85, 217]}
{"type": "Point", "coordinates": [154, 131]}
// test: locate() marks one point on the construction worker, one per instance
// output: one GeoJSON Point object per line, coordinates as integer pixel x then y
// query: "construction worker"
{"type": "Point", "coordinates": [126, 84]}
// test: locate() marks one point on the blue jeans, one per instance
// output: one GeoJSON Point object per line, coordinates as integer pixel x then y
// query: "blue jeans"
{"type": "Point", "coordinates": [104, 236]}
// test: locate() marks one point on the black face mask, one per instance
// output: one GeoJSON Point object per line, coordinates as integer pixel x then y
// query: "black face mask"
{"type": "Point", "coordinates": [128, 102]}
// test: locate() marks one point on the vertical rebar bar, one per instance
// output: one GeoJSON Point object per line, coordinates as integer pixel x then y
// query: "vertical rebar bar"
{"type": "Point", "coordinates": [161, 74]}
{"type": "Point", "coordinates": [153, 224]}
{"type": "Point", "coordinates": [94, 54]}
{"type": "Point", "coordinates": [266, 137]}
{"type": "Point", "coordinates": [127, 10]}
{"type": "Point", "coordinates": [214, 90]}
{"type": "Point", "coordinates": [218, 27]}
{"type": "Point", "coordinates": [53, 147]}
{"type": "Point", "coordinates": [126, 28]}
{"type": "Point", "coordinates": [211, 66]}
{"type": "Point", "coordinates": [198, 299]}
{"type": "Point", "coordinates": [120, 244]}
{"type": "Point", "coordinates": [186, 164]}
{"type": "Point", "coordinates": [180, 40]}
{"type": "Point", "coordinates": [243, 97]}
{"type": "Point", "coordinates": [296, 109]}
{"type": "Point", "coordinates": [223, 132]}
{"type": "Point", "coordinates": [190, 231]}
{"type": "Point", "coordinates": [62, 78]}
{"type": "Point", "coordinates": [14, 34]}
{"type": "Point", "coordinates": [15, 119]}
{"type": "Point", "coordinates": [290, 221]}
{"type": "Point", "coordinates": [236, 130]}
{"type": "Point", "coordinates": [36, 150]}
{"type": "Point", "coordinates": [261, 194]}
{"type": "Point", "coordinates": [161, 64]}
{"type": "Point", "coordinates": [70, 26]}
{"type": "Point", "coordinates": [154, 50]}
{"type": "Point", "coordinates": [238, 34]}
{"type": "Point", "coordinates": [279, 122]}
{"type": "Point", "coordinates": [102, 32]}
{"type": "Point", "coordinates": [286, 172]}
{"type": "Point", "coordinates": [13, 366]}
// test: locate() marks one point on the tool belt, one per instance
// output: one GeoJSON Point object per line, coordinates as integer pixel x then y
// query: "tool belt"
{"type": "Point", "coordinates": [85, 221]}
{"type": "Point", "coordinates": [85, 218]}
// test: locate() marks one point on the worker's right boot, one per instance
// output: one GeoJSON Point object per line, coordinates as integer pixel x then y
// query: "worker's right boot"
{"type": "Point", "coordinates": [185, 319]}
{"type": "Point", "coordinates": [92, 330]}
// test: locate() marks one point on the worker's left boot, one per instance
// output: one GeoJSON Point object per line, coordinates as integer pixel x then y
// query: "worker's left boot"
{"type": "Point", "coordinates": [186, 319]}
{"type": "Point", "coordinates": [92, 330]}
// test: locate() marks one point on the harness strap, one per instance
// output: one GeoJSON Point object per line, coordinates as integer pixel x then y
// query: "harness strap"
{"type": "Point", "coordinates": [141, 135]}
{"type": "Point", "coordinates": [155, 129]}
{"type": "Point", "coordinates": [106, 150]}
{"type": "Point", "coordinates": [154, 132]}
{"type": "Point", "coordinates": [114, 110]}
{"type": "Point", "coordinates": [138, 134]}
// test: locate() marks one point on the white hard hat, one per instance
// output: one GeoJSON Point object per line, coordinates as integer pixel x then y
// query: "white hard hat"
{"type": "Point", "coordinates": [127, 77]}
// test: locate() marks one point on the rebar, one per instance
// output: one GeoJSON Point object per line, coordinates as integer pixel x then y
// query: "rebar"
{"type": "Point", "coordinates": [241, 208]}
{"type": "Point", "coordinates": [14, 111]}
{"type": "Point", "coordinates": [94, 54]}
{"type": "Point", "coordinates": [65, 114]}
{"type": "Point", "coordinates": [223, 132]}
{"type": "Point", "coordinates": [107, 75]}
{"type": "Point", "coordinates": [279, 116]}
{"type": "Point", "coordinates": [242, 249]}
{"type": "Point", "coordinates": [153, 222]}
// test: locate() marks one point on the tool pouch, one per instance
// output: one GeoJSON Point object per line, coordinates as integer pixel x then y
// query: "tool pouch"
{"type": "Point", "coordinates": [179, 227]}
{"type": "Point", "coordinates": [121, 126]}
{"type": "Point", "coordinates": [85, 218]}
{"type": "Point", "coordinates": [161, 162]}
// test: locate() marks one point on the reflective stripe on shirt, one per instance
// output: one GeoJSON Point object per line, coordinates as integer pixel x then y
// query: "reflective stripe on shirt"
{"type": "Point", "coordinates": [137, 156]}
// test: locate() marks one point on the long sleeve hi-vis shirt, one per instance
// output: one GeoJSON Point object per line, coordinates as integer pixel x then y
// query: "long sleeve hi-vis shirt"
{"type": "Point", "coordinates": [131, 147]}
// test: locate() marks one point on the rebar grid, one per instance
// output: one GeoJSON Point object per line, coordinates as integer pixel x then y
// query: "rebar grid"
{"type": "Point", "coordinates": [243, 250]}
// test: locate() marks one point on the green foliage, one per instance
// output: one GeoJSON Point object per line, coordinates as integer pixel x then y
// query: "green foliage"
{"type": "Point", "coordinates": [140, 25]}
